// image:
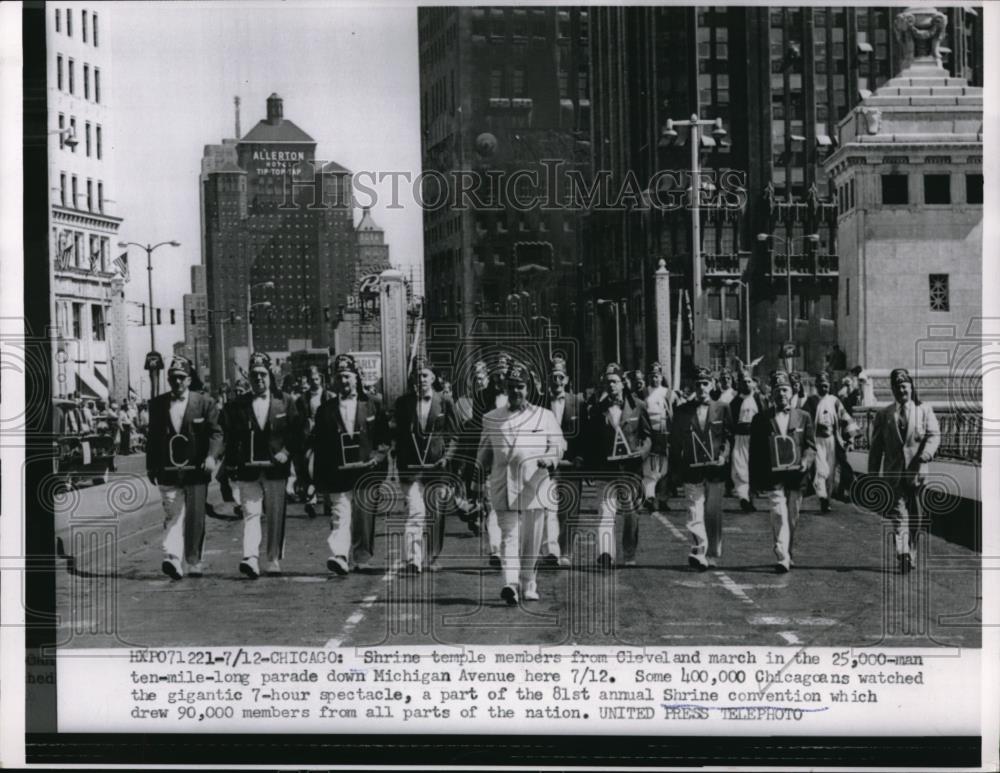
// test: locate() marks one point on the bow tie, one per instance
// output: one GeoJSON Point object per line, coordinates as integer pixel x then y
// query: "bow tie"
{"type": "Point", "coordinates": [619, 402]}
{"type": "Point", "coordinates": [260, 397]}
{"type": "Point", "coordinates": [427, 399]}
{"type": "Point", "coordinates": [176, 399]}
{"type": "Point", "coordinates": [786, 411]}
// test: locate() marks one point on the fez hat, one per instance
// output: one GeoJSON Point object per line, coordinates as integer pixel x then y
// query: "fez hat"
{"type": "Point", "coordinates": [780, 378]}
{"type": "Point", "coordinates": [260, 360]}
{"type": "Point", "coordinates": [180, 364]}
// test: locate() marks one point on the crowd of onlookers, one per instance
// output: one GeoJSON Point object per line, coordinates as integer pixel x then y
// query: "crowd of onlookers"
{"type": "Point", "coordinates": [126, 420]}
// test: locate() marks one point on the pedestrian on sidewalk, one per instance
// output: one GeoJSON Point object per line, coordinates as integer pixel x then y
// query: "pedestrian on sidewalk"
{"type": "Point", "coordinates": [521, 442]}
{"type": "Point", "coordinates": [261, 437]}
{"type": "Point", "coordinates": [184, 446]}
{"type": "Point", "coordinates": [350, 443]}
{"type": "Point", "coordinates": [782, 449]}
{"type": "Point", "coordinates": [904, 440]}
{"type": "Point", "coordinates": [701, 440]}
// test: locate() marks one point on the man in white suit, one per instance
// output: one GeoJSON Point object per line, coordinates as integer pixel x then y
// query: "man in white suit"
{"type": "Point", "coordinates": [520, 443]}
{"type": "Point", "coordinates": [904, 440]}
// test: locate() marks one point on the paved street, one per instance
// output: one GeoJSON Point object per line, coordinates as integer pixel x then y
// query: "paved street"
{"type": "Point", "coordinates": [837, 594]}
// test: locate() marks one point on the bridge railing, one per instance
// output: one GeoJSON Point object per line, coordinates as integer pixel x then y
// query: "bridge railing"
{"type": "Point", "coordinates": [961, 431]}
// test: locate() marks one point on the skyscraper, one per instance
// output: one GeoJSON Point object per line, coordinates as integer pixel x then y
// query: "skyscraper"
{"type": "Point", "coordinates": [279, 241]}
{"type": "Point", "coordinates": [90, 348]}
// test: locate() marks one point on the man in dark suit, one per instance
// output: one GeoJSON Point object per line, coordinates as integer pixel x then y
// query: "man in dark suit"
{"type": "Point", "coordinates": [570, 414]}
{"type": "Point", "coordinates": [307, 404]}
{"type": "Point", "coordinates": [183, 448]}
{"type": "Point", "coordinates": [426, 437]}
{"type": "Point", "coordinates": [349, 441]}
{"type": "Point", "coordinates": [261, 436]}
{"type": "Point", "coordinates": [782, 449]}
{"type": "Point", "coordinates": [904, 440]}
{"type": "Point", "coordinates": [747, 404]}
{"type": "Point", "coordinates": [700, 443]}
{"type": "Point", "coordinates": [619, 437]}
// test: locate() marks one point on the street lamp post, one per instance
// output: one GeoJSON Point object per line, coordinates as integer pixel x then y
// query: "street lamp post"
{"type": "Point", "coordinates": [250, 305]}
{"type": "Point", "coordinates": [668, 135]}
{"type": "Point", "coordinates": [618, 337]}
{"type": "Point", "coordinates": [548, 331]}
{"type": "Point", "coordinates": [789, 244]}
{"type": "Point", "coordinates": [150, 248]}
{"type": "Point", "coordinates": [222, 334]}
{"type": "Point", "coordinates": [746, 313]}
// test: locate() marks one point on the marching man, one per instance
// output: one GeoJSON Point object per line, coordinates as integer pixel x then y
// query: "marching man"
{"type": "Point", "coordinates": [829, 415]}
{"type": "Point", "coordinates": [182, 451]}
{"type": "Point", "coordinates": [904, 440]}
{"type": "Point", "coordinates": [619, 439]}
{"type": "Point", "coordinates": [425, 441]}
{"type": "Point", "coordinates": [747, 404]}
{"type": "Point", "coordinates": [700, 442]}
{"type": "Point", "coordinates": [520, 444]}
{"type": "Point", "coordinates": [782, 448]}
{"type": "Point", "coordinates": [350, 439]}
{"type": "Point", "coordinates": [261, 431]}
{"type": "Point", "coordinates": [307, 406]}
{"type": "Point", "coordinates": [654, 466]}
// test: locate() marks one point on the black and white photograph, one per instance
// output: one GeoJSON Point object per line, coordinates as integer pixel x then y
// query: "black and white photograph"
{"type": "Point", "coordinates": [557, 369]}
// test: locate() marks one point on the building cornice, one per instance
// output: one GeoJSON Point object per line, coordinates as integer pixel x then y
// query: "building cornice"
{"type": "Point", "coordinates": [917, 152]}
{"type": "Point", "coordinates": [69, 216]}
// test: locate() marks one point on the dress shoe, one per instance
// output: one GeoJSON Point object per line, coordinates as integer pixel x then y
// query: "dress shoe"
{"type": "Point", "coordinates": [824, 505]}
{"type": "Point", "coordinates": [337, 565]}
{"type": "Point", "coordinates": [495, 561]}
{"type": "Point", "coordinates": [631, 562]}
{"type": "Point", "coordinates": [712, 562]}
{"type": "Point", "coordinates": [310, 510]}
{"type": "Point", "coordinates": [905, 563]}
{"type": "Point", "coordinates": [238, 511]}
{"type": "Point", "coordinates": [697, 563]}
{"type": "Point", "coordinates": [650, 504]}
{"type": "Point", "coordinates": [746, 506]}
{"type": "Point", "coordinates": [412, 567]}
{"type": "Point", "coordinates": [565, 562]}
{"type": "Point", "coordinates": [272, 568]}
{"type": "Point", "coordinates": [509, 594]}
{"type": "Point", "coordinates": [531, 592]}
{"type": "Point", "coordinates": [196, 570]}
{"type": "Point", "coordinates": [783, 567]}
{"type": "Point", "coordinates": [250, 568]}
{"type": "Point", "coordinates": [551, 561]}
{"type": "Point", "coordinates": [605, 562]}
{"type": "Point", "coordinates": [172, 568]}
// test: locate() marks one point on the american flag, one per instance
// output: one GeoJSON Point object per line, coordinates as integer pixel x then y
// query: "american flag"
{"type": "Point", "coordinates": [95, 260]}
{"type": "Point", "coordinates": [121, 262]}
{"type": "Point", "coordinates": [62, 259]}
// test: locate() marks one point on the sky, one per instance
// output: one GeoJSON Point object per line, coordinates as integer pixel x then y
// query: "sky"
{"type": "Point", "coordinates": [349, 78]}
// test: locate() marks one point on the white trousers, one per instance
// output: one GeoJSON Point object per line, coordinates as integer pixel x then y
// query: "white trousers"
{"type": "Point", "coordinates": [423, 522]}
{"type": "Point", "coordinates": [607, 510]}
{"type": "Point", "coordinates": [175, 509]}
{"type": "Point", "coordinates": [704, 506]}
{"type": "Point", "coordinates": [784, 519]}
{"type": "Point", "coordinates": [740, 470]}
{"type": "Point", "coordinates": [520, 542]}
{"type": "Point", "coordinates": [826, 462]}
{"type": "Point", "coordinates": [259, 497]}
{"type": "Point", "coordinates": [654, 467]}
{"type": "Point", "coordinates": [550, 533]}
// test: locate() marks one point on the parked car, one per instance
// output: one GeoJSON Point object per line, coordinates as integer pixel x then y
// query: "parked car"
{"type": "Point", "coordinates": [81, 453]}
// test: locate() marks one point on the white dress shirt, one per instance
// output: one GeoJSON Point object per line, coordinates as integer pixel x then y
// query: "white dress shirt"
{"type": "Point", "coordinates": [423, 410]}
{"type": "Point", "coordinates": [559, 408]}
{"type": "Point", "coordinates": [748, 409]}
{"type": "Point", "coordinates": [261, 405]}
{"type": "Point", "coordinates": [178, 405]}
{"type": "Point", "coordinates": [348, 412]}
{"type": "Point", "coordinates": [782, 418]}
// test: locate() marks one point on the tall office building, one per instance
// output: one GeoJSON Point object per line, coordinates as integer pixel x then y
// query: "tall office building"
{"type": "Point", "coordinates": [503, 89]}
{"type": "Point", "coordinates": [780, 79]}
{"type": "Point", "coordinates": [278, 242]}
{"type": "Point", "coordinates": [88, 302]}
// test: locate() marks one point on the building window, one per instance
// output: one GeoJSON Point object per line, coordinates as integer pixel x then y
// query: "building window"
{"type": "Point", "coordinates": [847, 298]}
{"type": "Point", "coordinates": [90, 195]}
{"type": "Point", "coordinates": [97, 84]}
{"type": "Point", "coordinates": [97, 328]}
{"type": "Point", "coordinates": [86, 134]}
{"type": "Point", "coordinates": [939, 297]}
{"type": "Point", "coordinates": [78, 249]}
{"type": "Point", "coordinates": [105, 252]}
{"type": "Point", "coordinates": [937, 189]}
{"type": "Point", "coordinates": [974, 188]}
{"type": "Point", "coordinates": [100, 197]}
{"type": "Point", "coordinates": [93, 21]}
{"type": "Point", "coordinates": [59, 70]}
{"type": "Point", "coordinates": [72, 131]}
{"type": "Point", "coordinates": [86, 81]}
{"type": "Point", "coordinates": [83, 25]}
{"type": "Point", "coordinates": [62, 128]}
{"type": "Point", "coordinates": [173, 318]}
{"type": "Point", "coordinates": [76, 191]}
{"type": "Point", "coordinates": [98, 138]}
{"type": "Point", "coordinates": [496, 82]}
{"type": "Point", "coordinates": [58, 20]}
{"type": "Point", "coordinates": [159, 321]}
{"type": "Point", "coordinates": [77, 320]}
{"type": "Point", "coordinates": [71, 71]}
{"type": "Point", "coordinates": [62, 188]}
{"type": "Point", "coordinates": [894, 189]}
{"type": "Point", "coordinates": [69, 22]}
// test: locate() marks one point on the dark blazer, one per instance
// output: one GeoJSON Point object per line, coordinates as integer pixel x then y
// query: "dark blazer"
{"type": "Point", "coordinates": [573, 425]}
{"type": "Point", "coordinates": [302, 407]}
{"type": "Point", "coordinates": [280, 433]}
{"type": "Point", "coordinates": [734, 411]}
{"type": "Point", "coordinates": [800, 427]}
{"type": "Point", "coordinates": [600, 435]}
{"type": "Point", "coordinates": [686, 433]}
{"type": "Point", "coordinates": [371, 434]}
{"type": "Point", "coordinates": [420, 445]}
{"type": "Point", "coordinates": [200, 424]}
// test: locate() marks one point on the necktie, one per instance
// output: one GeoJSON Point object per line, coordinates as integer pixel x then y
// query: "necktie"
{"type": "Point", "coordinates": [902, 421]}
